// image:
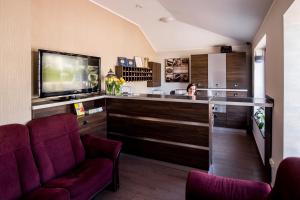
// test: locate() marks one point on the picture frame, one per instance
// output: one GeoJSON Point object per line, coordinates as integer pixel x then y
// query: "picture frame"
{"type": "Point", "coordinates": [130, 63]}
{"type": "Point", "coordinates": [177, 70]}
{"type": "Point", "coordinates": [146, 62]}
{"type": "Point", "coordinates": [122, 61]}
{"type": "Point", "coordinates": [138, 61]}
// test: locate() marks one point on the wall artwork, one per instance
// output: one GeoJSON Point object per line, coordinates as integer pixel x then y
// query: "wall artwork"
{"type": "Point", "coordinates": [177, 70]}
{"type": "Point", "coordinates": [122, 61]}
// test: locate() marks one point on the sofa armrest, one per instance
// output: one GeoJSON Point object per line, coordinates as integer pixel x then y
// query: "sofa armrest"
{"type": "Point", "coordinates": [204, 186]}
{"type": "Point", "coordinates": [95, 147]}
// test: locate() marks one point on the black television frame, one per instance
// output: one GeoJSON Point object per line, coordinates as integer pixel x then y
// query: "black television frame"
{"type": "Point", "coordinates": [64, 93]}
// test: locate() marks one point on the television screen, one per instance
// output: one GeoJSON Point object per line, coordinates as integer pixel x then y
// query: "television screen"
{"type": "Point", "coordinates": [63, 73]}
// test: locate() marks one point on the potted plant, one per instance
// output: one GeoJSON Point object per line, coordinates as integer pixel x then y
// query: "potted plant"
{"type": "Point", "coordinates": [113, 84]}
{"type": "Point", "coordinates": [260, 118]}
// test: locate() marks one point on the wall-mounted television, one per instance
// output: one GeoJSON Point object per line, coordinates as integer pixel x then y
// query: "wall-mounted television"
{"type": "Point", "coordinates": [67, 74]}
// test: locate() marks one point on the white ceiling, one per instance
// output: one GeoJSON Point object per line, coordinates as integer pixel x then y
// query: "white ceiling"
{"type": "Point", "coordinates": [198, 24]}
{"type": "Point", "coordinates": [238, 19]}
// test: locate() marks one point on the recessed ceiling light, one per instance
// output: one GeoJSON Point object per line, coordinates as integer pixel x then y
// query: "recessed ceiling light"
{"type": "Point", "coordinates": [166, 19]}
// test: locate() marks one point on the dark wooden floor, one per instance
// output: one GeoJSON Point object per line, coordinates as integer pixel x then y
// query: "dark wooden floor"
{"type": "Point", "coordinates": [142, 179]}
{"type": "Point", "coordinates": [234, 155]}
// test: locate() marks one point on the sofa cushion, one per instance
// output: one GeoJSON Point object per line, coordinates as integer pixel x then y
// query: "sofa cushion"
{"type": "Point", "coordinates": [18, 172]}
{"type": "Point", "coordinates": [48, 194]}
{"type": "Point", "coordinates": [56, 144]}
{"type": "Point", "coordinates": [86, 179]}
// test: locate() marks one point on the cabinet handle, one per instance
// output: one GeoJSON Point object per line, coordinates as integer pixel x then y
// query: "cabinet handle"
{"type": "Point", "coordinates": [235, 85]}
{"type": "Point", "coordinates": [235, 94]}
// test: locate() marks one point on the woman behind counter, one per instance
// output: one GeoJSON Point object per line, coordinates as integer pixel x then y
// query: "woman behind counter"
{"type": "Point", "coordinates": [191, 89]}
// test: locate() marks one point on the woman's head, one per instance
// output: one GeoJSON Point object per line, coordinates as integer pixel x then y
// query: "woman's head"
{"type": "Point", "coordinates": [191, 89]}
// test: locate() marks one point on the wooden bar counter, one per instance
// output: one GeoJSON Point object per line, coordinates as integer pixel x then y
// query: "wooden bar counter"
{"type": "Point", "coordinates": [175, 129]}
{"type": "Point", "coordinates": [176, 132]}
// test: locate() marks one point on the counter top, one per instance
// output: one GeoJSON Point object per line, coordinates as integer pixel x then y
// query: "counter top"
{"type": "Point", "coordinates": [222, 89]}
{"type": "Point", "coordinates": [171, 98]}
{"type": "Point", "coordinates": [245, 101]}
{"type": "Point", "coordinates": [50, 102]}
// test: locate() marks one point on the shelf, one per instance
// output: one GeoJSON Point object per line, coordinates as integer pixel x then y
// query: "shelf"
{"type": "Point", "coordinates": [131, 74]}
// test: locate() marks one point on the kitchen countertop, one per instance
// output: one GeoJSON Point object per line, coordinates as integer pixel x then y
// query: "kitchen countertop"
{"type": "Point", "coordinates": [222, 89]}
{"type": "Point", "coordinates": [51, 102]}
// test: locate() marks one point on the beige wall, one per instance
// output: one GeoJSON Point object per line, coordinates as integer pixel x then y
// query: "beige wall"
{"type": "Point", "coordinates": [291, 81]}
{"type": "Point", "coordinates": [79, 26]}
{"type": "Point", "coordinates": [15, 71]}
{"type": "Point", "coordinates": [274, 70]}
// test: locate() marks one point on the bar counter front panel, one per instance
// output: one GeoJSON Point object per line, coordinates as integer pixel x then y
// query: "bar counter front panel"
{"type": "Point", "coordinates": [175, 132]}
{"type": "Point", "coordinates": [174, 129]}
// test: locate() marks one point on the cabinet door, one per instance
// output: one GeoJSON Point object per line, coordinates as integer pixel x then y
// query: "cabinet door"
{"type": "Point", "coordinates": [236, 94]}
{"type": "Point", "coordinates": [157, 67]}
{"type": "Point", "coordinates": [217, 70]}
{"type": "Point", "coordinates": [156, 75]}
{"type": "Point", "coordinates": [238, 73]}
{"type": "Point", "coordinates": [199, 70]}
{"type": "Point", "coordinates": [237, 117]}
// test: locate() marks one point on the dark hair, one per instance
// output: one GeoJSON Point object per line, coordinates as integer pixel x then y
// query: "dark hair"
{"type": "Point", "coordinates": [189, 86]}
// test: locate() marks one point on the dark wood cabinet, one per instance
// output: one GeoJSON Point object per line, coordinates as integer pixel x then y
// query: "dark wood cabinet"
{"type": "Point", "coordinates": [238, 72]}
{"type": "Point", "coordinates": [163, 130]}
{"type": "Point", "coordinates": [156, 74]}
{"type": "Point", "coordinates": [238, 76]}
{"type": "Point", "coordinates": [199, 70]}
{"type": "Point", "coordinates": [236, 94]}
{"type": "Point", "coordinates": [237, 117]}
{"type": "Point", "coordinates": [220, 119]}
{"type": "Point", "coordinates": [134, 73]}
{"type": "Point", "coordinates": [93, 124]}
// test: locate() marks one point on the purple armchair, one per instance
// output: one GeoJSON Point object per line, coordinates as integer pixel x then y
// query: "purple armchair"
{"type": "Point", "coordinates": [207, 187]}
{"type": "Point", "coordinates": [19, 177]}
{"type": "Point", "coordinates": [82, 166]}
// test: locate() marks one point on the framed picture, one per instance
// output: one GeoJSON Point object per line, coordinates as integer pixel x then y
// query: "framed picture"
{"type": "Point", "coordinates": [177, 70]}
{"type": "Point", "coordinates": [138, 61]}
{"type": "Point", "coordinates": [146, 62]}
{"type": "Point", "coordinates": [131, 62]}
{"type": "Point", "coordinates": [122, 61]}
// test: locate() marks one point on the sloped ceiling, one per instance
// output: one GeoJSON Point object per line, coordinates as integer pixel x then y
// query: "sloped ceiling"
{"type": "Point", "coordinates": [238, 19]}
{"type": "Point", "coordinates": [196, 24]}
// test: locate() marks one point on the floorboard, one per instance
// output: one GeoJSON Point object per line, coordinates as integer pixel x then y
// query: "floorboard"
{"type": "Point", "coordinates": [234, 155]}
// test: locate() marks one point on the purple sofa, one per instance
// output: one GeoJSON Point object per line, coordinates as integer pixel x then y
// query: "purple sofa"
{"type": "Point", "coordinates": [82, 166]}
{"type": "Point", "coordinates": [19, 175]}
{"type": "Point", "coordinates": [208, 187]}
{"type": "Point", "coordinates": [51, 161]}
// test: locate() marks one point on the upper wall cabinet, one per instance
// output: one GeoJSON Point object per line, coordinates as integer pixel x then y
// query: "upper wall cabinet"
{"type": "Point", "coordinates": [221, 71]}
{"type": "Point", "coordinates": [217, 70]}
{"type": "Point", "coordinates": [156, 75]}
{"type": "Point", "coordinates": [199, 70]}
{"type": "Point", "coordinates": [238, 73]}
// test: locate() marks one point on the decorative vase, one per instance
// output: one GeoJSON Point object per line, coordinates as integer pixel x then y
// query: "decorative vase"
{"type": "Point", "coordinates": [118, 91]}
{"type": "Point", "coordinates": [110, 89]}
